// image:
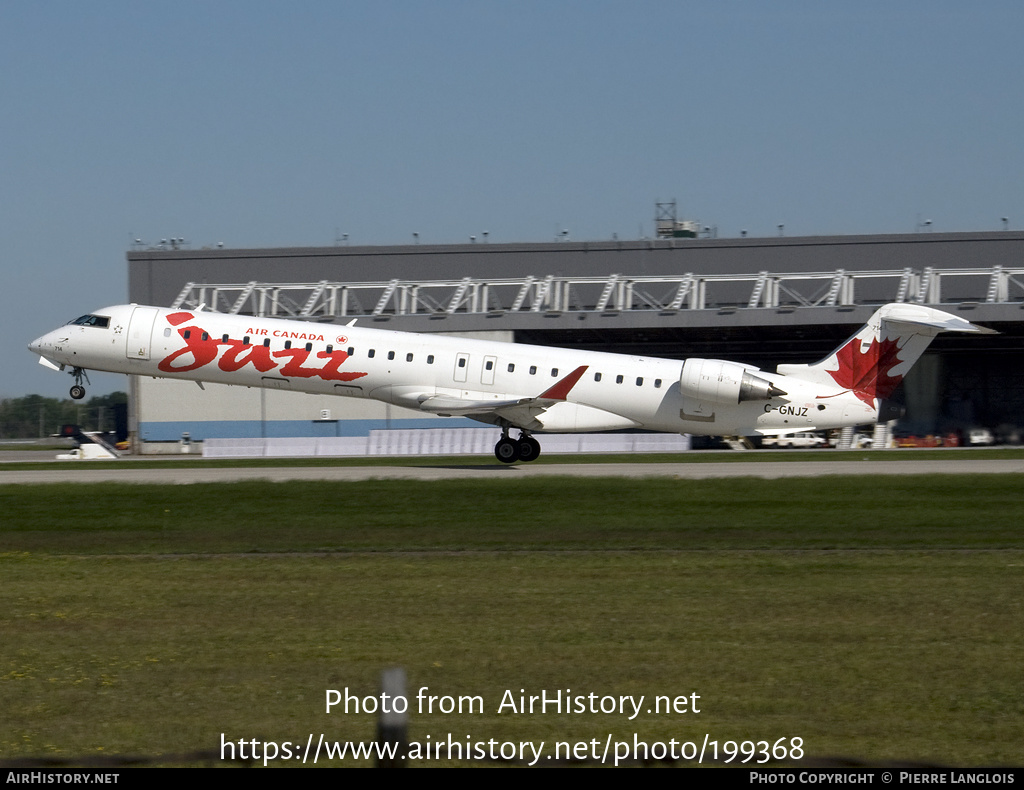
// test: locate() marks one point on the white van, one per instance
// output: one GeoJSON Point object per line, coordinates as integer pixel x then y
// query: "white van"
{"type": "Point", "coordinates": [803, 439]}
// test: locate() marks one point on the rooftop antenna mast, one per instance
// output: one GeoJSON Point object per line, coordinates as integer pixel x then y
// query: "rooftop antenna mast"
{"type": "Point", "coordinates": [667, 224]}
{"type": "Point", "coordinates": [665, 218]}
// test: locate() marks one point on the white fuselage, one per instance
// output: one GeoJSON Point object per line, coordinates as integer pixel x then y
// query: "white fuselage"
{"type": "Point", "coordinates": [615, 391]}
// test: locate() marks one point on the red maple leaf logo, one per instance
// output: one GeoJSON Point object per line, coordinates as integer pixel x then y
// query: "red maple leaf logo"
{"type": "Point", "coordinates": [866, 373]}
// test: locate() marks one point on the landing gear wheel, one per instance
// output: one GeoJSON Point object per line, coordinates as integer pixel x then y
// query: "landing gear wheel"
{"type": "Point", "coordinates": [506, 451]}
{"type": "Point", "coordinates": [529, 448]}
{"type": "Point", "coordinates": [78, 391]}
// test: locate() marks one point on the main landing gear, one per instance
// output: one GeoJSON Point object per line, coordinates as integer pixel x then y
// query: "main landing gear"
{"type": "Point", "coordinates": [78, 391]}
{"type": "Point", "coordinates": [524, 449]}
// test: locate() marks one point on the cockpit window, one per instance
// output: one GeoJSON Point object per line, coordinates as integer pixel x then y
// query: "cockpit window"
{"type": "Point", "coordinates": [101, 321]}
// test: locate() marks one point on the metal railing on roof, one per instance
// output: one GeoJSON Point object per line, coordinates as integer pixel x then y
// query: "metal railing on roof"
{"type": "Point", "coordinates": [325, 300]}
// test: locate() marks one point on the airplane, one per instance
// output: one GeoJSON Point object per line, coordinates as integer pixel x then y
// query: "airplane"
{"type": "Point", "coordinates": [529, 389]}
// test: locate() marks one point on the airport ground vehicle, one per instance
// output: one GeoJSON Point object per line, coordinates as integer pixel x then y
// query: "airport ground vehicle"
{"type": "Point", "coordinates": [804, 439]}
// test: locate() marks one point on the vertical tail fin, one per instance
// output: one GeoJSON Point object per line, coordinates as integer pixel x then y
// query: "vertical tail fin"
{"type": "Point", "coordinates": [873, 362]}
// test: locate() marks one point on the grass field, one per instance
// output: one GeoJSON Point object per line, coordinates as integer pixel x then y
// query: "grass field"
{"type": "Point", "coordinates": [877, 618]}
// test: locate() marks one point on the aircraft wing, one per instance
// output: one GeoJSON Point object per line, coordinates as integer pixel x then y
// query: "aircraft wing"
{"type": "Point", "coordinates": [446, 405]}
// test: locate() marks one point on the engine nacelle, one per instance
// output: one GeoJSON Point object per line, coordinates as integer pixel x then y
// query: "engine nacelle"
{"type": "Point", "coordinates": [723, 382]}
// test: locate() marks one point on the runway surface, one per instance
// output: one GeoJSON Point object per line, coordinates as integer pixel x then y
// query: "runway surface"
{"type": "Point", "coordinates": [95, 472]}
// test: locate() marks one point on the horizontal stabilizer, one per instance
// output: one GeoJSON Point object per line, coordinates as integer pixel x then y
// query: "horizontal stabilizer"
{"type": "Point", "coordinates": [919, 315]}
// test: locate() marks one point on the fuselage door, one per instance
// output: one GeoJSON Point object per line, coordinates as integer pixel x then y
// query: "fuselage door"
{"type": "Point", "coordinates": [487, 373]}
{"type": "Point", "coordinates": [140, 333]}
{"type": "Point", "coordinates": [461, 366]}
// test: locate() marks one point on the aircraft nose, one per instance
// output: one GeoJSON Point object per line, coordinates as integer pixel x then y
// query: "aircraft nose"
{"type": "Point", "coordinates": [44, 347]}
{"type": "Point", "coordinates": [44, 344]}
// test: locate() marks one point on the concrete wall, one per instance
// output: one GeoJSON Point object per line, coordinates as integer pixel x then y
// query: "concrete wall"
{"type": "Point", "coordinates": [166, 409]}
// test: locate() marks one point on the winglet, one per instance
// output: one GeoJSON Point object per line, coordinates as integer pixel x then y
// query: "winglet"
{"type": "Point", "coordinates": [560, 390]}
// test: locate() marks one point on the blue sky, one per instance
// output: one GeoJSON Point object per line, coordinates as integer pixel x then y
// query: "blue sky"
{"type": "Point", "coordinates": [278, 124]}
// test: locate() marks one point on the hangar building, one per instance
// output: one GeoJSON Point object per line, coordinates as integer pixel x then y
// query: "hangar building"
{"type": "Point", "coordinates": [762, 301]}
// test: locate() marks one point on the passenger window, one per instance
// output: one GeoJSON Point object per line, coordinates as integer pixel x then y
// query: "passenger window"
{"type": "Point", "coordinates": [554, 372]}
{"type": "Point", "coordinates": [330, 349]}
{"type": "Point", "coordinates": [351, 350]}
{"type": "Point", "coordinates": [489, 365]}
{"type": "Point", "coordinates": [187, 334]}
{"type": "Point", "coordinates": [533, 370]}
{"type": "Point", "coordinates": [408, 357]}
{"type": "Point", "coordinates": [391, 355]}
{"type": "Point", "coordinates": [657, 384]}
{"type": "Point", "coordinates": [167, 332]}
{"type": "Point", "coordinates": [287, 343]}
{"type": "Point", "coordinates": [266, 342]}
{"type": "Point", "coordinates": [206, 335]}
{"type": "Point", "coordinates": [639, 381]}
{"type": "Point", "coordinates": [245, 340]}
{"type": "Point", "coordinates": [462, 362]}
{"type": "Point", "coordinates": [430, 359]}
{"type": "Point", "coordinates": [223, 338]}
{"type": "Point", "coordinates": [511, 367]}
{"type": "Point", "coordinates": [618, 379]}
{"type": "Point", "coordinates": [597, 377]}
{"type": "Point", "coordinates": [309, 346]}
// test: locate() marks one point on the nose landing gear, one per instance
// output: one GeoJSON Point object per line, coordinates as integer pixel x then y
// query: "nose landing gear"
{"type": "Point", "coordinates": [78, 391]}
{"type": "Point", "coordinates": [524, 449]}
